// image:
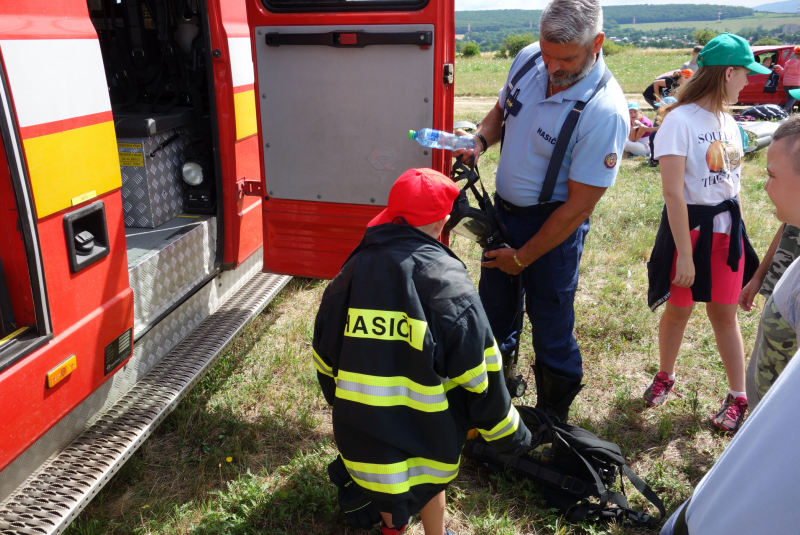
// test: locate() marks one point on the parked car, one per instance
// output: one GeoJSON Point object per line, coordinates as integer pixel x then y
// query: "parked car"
{"type": "Point", "coordinates": [753, 93]}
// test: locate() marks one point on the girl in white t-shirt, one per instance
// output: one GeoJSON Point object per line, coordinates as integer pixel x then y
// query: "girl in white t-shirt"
{"type": "Point", "coordinates": [699, 147]}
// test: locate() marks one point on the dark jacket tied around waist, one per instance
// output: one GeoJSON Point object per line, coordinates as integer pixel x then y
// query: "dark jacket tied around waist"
{"type": "Point", "coordinates": [660, 264]}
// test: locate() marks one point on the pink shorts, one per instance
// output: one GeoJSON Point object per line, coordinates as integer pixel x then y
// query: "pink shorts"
{"type": "Point", "coordinates": [726, 285]}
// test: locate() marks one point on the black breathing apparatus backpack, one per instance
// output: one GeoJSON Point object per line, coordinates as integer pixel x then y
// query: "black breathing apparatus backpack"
{"type": "Point", "coordinates": [575, 467]}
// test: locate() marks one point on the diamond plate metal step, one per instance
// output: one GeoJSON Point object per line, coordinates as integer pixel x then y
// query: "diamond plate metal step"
{"type": "Point", "coordinates": [51, 498]}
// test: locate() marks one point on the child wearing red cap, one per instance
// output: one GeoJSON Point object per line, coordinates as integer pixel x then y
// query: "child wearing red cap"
{"type": "Point", "coordinates": [406, 358]}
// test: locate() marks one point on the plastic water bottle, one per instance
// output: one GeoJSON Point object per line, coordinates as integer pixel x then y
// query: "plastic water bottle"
{"type": "Point", "coordinates": [428, 137]}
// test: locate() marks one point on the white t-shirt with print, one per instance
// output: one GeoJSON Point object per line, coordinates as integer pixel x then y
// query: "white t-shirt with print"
{"type": "Point", "coordinates": [713, 149]}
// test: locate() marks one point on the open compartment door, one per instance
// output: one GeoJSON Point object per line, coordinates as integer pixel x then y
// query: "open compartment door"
{"type": "Point", "coordinates": [338, 88]}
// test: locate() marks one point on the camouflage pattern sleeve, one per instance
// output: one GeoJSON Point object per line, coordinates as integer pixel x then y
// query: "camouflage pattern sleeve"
{"type": "Point", "coordinates": [788, 250]}
{"type": "Point", "coordinates": [775, 348]}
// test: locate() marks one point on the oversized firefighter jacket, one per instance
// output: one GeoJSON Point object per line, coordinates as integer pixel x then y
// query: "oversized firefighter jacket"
{"type": "Point", "coordinates": [405, 355]}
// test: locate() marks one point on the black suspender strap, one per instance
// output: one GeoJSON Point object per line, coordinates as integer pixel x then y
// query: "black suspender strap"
{"type": "Point", "coordinates": [562, 142]}
{"type": "Point", "coordinates": [517, 77]}
{"type": "Point", "coordinates": [519, 74]}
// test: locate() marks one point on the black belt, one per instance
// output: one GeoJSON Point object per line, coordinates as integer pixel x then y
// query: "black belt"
{"type": "Point", "coordinates": [544, 209]}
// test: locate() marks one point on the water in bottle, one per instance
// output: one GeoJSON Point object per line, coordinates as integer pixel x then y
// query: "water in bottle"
{"type": "Point", "coordinates": [428, 137]}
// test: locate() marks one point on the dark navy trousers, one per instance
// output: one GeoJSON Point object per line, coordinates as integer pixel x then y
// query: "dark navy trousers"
{"type": "Point", "coordinates": [549, 286]}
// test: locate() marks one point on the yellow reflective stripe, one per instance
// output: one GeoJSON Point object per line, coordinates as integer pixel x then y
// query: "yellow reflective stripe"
{"type": "Point", "coordinates": [320, 364]}
{"type": "Point", "coordinates": [397, 478]}
{"type": "Point", "coordinates": [493, 360]}
{"type": "Point", "coordinates": [385, 325]}
{"type": "Point", "coordinates": [390, 391]}
{"type": "Point", "coordinates": [474, 380]}
{"type": "Point", "coordinates": [509, 425]}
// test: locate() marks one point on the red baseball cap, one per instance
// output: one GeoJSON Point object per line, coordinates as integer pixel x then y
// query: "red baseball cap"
{"type": "Point", "coordinates": [420, 196]}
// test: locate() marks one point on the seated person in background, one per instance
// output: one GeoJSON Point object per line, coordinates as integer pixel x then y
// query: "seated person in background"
{"type": "Point", "coordinates": [771, 62]}
{"type": "Point", "coordinates": [405, 355]}
{"type": "Point", "coordinates": [777, 339]}
{"type": "Point", "coordinates": [638, 143]}
{"type": "Point", "coordinates": [664, 86]}
{"type": "Point", "coordinates": [660, 114]}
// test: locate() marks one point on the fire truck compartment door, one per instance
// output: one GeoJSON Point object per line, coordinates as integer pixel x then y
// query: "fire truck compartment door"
{"type": "Point", "coordinates": [337, 103]}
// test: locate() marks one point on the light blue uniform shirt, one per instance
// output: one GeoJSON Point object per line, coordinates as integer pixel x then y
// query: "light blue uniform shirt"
{"type": "Point", "coordinates": [595, 147]}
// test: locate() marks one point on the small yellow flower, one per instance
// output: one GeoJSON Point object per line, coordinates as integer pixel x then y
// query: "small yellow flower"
{"type": "Point", "coordinates": [229, 459]}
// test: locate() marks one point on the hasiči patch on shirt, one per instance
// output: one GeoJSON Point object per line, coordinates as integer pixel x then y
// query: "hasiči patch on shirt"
{"type": "Point", "coordinates": [610, 160]}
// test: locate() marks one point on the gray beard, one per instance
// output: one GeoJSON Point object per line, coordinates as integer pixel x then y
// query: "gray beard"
{"type": "Point", "coordinates": [565, 79]}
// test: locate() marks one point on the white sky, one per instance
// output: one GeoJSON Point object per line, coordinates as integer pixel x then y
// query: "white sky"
{"type": "Point", "coordinates": [463, 5]}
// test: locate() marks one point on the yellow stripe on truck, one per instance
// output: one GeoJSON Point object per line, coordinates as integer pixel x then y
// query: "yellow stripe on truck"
{"type": "Point", "coordinates": [67, 164]}
{"type": "Point", "coordinates": [244, 105]}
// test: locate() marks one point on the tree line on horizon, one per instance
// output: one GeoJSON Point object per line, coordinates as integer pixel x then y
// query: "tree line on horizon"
{"type": "Point", "coordinates": [521, 20]}
{"type": "Point", "coordinates": [492, 29]}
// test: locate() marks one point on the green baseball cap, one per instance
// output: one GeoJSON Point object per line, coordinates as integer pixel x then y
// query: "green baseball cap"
{"type": "Point", "coordinates": [730, 50]}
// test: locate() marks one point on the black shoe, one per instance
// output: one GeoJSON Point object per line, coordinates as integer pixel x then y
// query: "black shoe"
{"type": "Point", "coordinates": [653, 163]}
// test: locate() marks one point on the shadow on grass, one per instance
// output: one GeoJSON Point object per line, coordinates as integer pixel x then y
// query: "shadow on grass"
{"type": "Point", "coordinates": [303, 501]}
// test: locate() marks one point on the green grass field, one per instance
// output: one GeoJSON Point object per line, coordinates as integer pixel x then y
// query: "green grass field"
{"type": "Point", "coordinates": [767, 21]}
{"type": "Point", "coordinates": [245, 452]}
{"type": "Point", "coordinates": [634, 69]}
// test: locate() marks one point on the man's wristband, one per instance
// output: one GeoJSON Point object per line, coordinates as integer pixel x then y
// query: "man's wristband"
{"type": "Point", "coordinates": [483, 141]}
{"type": "Point", "coordinates": [520, 264]}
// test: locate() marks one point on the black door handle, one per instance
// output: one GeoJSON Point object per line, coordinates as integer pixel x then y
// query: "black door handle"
{"type": "Point", "coordinates": [350, 39]}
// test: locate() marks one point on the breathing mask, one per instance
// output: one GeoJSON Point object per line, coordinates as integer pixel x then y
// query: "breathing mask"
{"type": "Point", "coordinates": [481, 224]}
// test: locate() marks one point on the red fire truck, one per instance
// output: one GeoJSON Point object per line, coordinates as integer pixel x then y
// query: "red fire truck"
{"type": "Point", "coordinates": [166, 166]}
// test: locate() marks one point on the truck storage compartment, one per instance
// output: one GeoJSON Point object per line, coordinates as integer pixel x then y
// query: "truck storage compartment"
{"type": "Point", "coordinates": [152, 189]}
{"type": "Point", "coordinates": [155, 55]}
{"type": "Point", "coordinates": [166, 263]}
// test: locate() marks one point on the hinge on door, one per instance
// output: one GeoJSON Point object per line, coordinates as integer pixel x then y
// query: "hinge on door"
{"type": "Point", "coordinates": [248, 188]}
{"type": "Point", "coordinates": [448, 73]}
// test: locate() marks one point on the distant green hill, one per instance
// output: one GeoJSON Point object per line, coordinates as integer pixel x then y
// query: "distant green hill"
{"type": "Point", "coordinates": [498, 20]}
{"type": "Point", "coordinates": [657, 26]}
{"type": "Point", "coordinates": [767, 22]}
{"type": "Point", "coordinates": [670, 13]}
{"type": "Point", "coordinates": [512, 21]}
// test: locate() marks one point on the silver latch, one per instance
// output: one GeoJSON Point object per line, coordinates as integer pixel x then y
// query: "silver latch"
{"type": "Point", "coordinates": [448, 73]}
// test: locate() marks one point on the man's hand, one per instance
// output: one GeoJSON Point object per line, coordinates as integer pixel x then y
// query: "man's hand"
{"type": "Point", "coordinates": [558, 227]}
{"type": "Point", "coordinates": [469, 154]}
{"type": "Point", "coordinates": [503, 259]}
{"type": "Point", "coordinates": [490, 128]}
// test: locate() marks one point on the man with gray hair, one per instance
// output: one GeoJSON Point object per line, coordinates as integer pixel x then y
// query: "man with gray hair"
{"type": "Point", "coordinates": [563, 121]}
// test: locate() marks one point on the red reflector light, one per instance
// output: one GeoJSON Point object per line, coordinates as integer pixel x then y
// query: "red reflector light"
{"type": "Point", "coordinates": [348, 39]}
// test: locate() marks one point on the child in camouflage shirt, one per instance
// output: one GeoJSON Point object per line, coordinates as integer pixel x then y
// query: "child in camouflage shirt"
{"type": "Point", "coordinates": [778, 276]}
